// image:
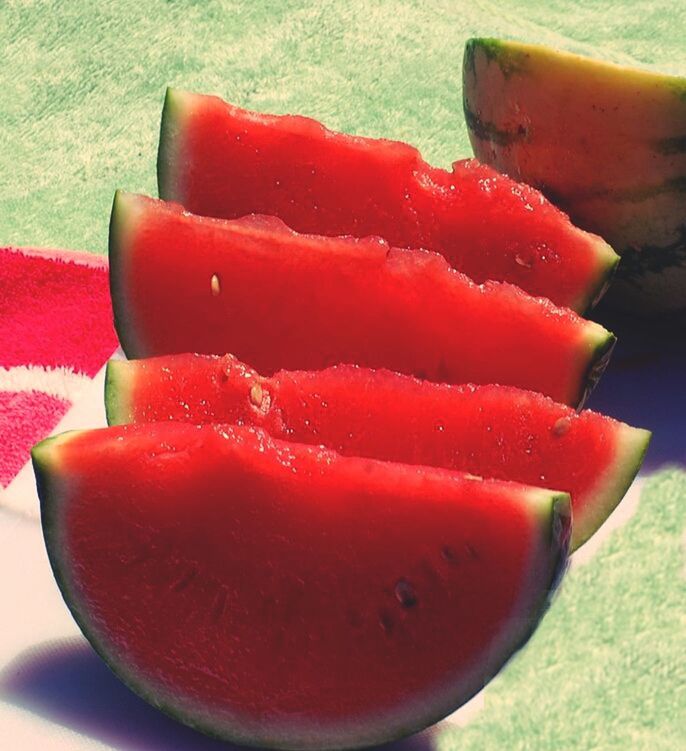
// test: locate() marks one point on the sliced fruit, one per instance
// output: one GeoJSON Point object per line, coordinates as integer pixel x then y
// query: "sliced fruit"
{"type": "Point", "coordinates": [223, 161]}
{"type": "Point", "coordinates": [282, 595]}
{"type": "Point", "coordinates": [277, 299]}
{"type": "Point", "coordinates": [492, 431]}
{"type": "Point", "coordinates": [606, 143]}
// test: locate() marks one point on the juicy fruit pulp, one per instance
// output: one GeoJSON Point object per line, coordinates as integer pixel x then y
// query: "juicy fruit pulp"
{"type": "Point", "coordinates": [222, 161]}
{"type": "Point", "coordinates": [286, 595]}
{"type": "Point", "coordinates": [277, 299]}
{"type": "Point", "coordinates": [492, 431]}
{"type": "Point", "coordinates": [604, 142]}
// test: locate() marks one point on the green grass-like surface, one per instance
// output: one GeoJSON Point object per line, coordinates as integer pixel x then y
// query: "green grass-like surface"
{"type": "Point", "coordinates": [81, 93]}
{"type": "Point", "coordinates": [605, 670]}
{"type": "Point", "coordinates": [82, 84]}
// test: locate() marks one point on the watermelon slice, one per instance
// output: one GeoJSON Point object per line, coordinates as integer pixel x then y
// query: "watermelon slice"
{"type": "Point", "coordinates": [282, 595]}
{"type": "Point", "coordinates": [223, 161]}
{"type": "Point", "coordinates": [277, 299]}
{"type": "Point", "coordinates": [493, 431]}
{"type": "Point", "coordinates": [605, 142]}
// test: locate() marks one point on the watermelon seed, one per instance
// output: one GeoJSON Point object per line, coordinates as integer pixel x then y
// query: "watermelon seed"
{"type": "Point", "coordinates": [256, 394]}
{"type": "Point", "coordinates": [214, 285]}
{"type": "Point", "coordinates": [561, 426]}
{"type": "Point", "coordinates": [405, 593]}
{"type": "Point", "coordinates": [185, 579]}
{"type": "Point", "coordinates": [440, 427]}
{"type": "Point", "coordinates": [523, 262]}
{"type": "Point", "coordinates": [448, 554]}
{"type": "Point", "coordinates": [385, 621]}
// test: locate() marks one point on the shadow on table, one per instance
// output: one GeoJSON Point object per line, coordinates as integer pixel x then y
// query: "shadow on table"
{"type": "Point", "coordinates": [645, 383]}
{"type": "Point", "coordinates": [67, 683]}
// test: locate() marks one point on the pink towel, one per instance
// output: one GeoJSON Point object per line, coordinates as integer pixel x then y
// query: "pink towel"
{"type": "Point", "coordinates": [56, 332]}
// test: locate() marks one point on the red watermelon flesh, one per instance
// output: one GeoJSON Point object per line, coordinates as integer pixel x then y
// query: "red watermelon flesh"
{"type": "Point", "coordinates": [283, 595]}
{"type": "Point", "coordinates": [492, 431]}
{"type": "Point", "coordinates": [278, 299]}
{"type": "Point", "coordinates": [222, 161]}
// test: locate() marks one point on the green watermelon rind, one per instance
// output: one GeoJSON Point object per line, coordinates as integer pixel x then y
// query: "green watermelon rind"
{"type": "Point", "coordinates": [122, 224]}
{"type": "Point", "coordinates": [551, 510]}
{"type": "Point", "coordinates": [119, 376]}
{"type": "Point", "coordinates": [631, 448]}
{"type": "Point", "coordinates": [601, 344]}
{"type": "Point", "coordinates": [609, 263]}
{"type": "Point", "coordinates": [174, 113]}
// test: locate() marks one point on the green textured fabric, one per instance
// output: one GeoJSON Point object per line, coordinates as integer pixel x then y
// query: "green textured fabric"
{"type": "Point", "coordinates": [81, 92]}
{"type": "Point", "coordinates": [82, 83]}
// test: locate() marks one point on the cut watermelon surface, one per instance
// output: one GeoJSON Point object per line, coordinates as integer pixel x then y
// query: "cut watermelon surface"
{"type": "Point", "coordinates": [287, 596]}
{"type": "Point", "coordinates": [223, 161]}
{"type": "Point", "coordinates": [492, 431]}
{"type": "Point", "coordinates": [278, 299]}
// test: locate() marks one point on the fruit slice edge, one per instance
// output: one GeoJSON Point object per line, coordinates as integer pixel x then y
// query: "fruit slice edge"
{"type": "Point", "coordinates": [57, 462]}
{"type": "Point", "coordinates": [353, 298]}
{"type": "Point", "coordinates": [573, 268]}
{"type": "Point", "coordinates": [388, 416]}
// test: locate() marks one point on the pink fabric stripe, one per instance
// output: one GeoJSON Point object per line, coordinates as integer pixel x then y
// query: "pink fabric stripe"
{"type": "Point", "coordinates": [55, 310]}
{"type": "Point", "coordinates": [25, 418]}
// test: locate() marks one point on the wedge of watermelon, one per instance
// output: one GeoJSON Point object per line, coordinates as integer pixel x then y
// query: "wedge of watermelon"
{"type": "Point", "coordinates": [278, 299]}
{"type": "Point", "coordinates": [493, 431]}
{"type": "Point", "coordinates": [282, 595]}
{"type": "Point", "coordinates": [223, 161]}
{"type": "Point", "coordinates": [605, 142]}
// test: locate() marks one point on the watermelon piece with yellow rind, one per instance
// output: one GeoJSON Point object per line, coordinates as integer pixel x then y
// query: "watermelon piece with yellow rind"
{"type": "Point", "coordinates": [605, 142]}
